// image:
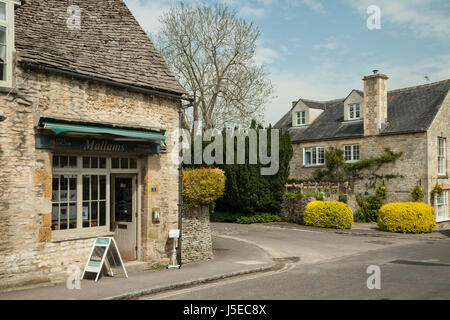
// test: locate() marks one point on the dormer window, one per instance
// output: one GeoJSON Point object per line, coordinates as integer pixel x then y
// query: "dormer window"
{"type": "Point", "coordinates": [354, 111]}
{"type": "Point", "coordinates": [6, 42]}
{"type": "Point", "coordinates": [301, 118]}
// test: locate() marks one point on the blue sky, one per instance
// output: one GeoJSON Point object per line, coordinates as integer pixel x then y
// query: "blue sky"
{"type": "Point", "coordinates": [321, 49]}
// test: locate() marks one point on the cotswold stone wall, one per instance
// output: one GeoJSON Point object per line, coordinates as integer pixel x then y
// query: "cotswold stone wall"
{"type": "Point", "coordinates": [196, 243]}
{"type": "Point", "coordinates": [28, 252]}
{"type": "Point", "coordinates": [293, 210]}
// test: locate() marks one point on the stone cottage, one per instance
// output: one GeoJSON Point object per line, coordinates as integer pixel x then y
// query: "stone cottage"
{"type": "Point", "coordinates": [86, 149]}
{"type": "Point", "coordinates": [414, 121]}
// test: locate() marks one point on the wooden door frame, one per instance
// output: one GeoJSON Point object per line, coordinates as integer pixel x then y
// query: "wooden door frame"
{"type": "Point", "coordinates": [137, 215]}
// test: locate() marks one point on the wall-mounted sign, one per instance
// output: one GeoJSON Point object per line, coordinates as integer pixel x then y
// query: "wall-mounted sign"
{"type": "Point", "coordinates": [104, 250]}
{"type": "Point", "coordinates": [95, 145]}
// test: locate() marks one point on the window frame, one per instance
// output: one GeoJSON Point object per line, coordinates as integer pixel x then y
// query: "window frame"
{"type": "Point", "coordinates": [356, 109]}
{"type": "Point", "coordinates": [8, 24]}
{"type": "Point", "coordinates": [315, 151]}
{"type": "Point", "coordinates": [441, 158]}
{"type": "Point", "coordinates": [301, 118]}
{"type": "Point", "coordinates": [79, 171]}
{"type": "Point", "coordinates": [444, 204]}
{"type": "Point", "coordinates": [352, 152]}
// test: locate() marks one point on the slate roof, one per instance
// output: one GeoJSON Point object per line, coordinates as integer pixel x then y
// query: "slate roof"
{"type": "Point", "coordinates": [110, 44]}
{"type": "Point", "coordinates": [409, 110]}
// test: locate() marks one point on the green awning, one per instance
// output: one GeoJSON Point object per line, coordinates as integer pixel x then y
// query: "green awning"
{"type": "Point", "coordinates": [135, 134]}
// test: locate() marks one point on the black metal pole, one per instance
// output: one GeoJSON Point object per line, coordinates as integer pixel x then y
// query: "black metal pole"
{"type": "Point", "coordinates": [180, 182]}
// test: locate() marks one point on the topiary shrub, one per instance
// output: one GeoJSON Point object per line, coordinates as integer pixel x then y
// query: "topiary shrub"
{"type": "Point", "coordinates": [407, 217]}
{"type": "Point", "coordinates": [328, 214]}
{"type": "Point", "coordinates": [201, 187]}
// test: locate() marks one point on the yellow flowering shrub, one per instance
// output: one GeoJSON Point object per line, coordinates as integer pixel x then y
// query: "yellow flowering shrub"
{"type": "Point", "coordinates": [201, 187]}
{"type": "Point", "coordinates": [328, 214]}
{"type": "Point", "coordinates": [407, 217]}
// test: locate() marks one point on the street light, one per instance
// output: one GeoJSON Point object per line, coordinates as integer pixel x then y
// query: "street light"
{"type": "Point", "coordinates": [2, 116]}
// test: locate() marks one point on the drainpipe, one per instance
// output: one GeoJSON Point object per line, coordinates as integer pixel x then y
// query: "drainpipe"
{"type": "Point", "coordinates": [180, 183]}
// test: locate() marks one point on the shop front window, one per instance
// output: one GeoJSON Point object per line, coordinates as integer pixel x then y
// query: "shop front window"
{"type": "Point", "coordinates": [64, 202]}
{"type": "Point", "coordinates": [94, 200]}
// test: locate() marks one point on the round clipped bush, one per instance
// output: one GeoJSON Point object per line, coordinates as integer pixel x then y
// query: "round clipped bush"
{"type": "Point", "coordinates": [201, 187]}
{"type": "Point", "coordinates": [407, 217]}
{"type": "Point", "coordinates": [328, 214]}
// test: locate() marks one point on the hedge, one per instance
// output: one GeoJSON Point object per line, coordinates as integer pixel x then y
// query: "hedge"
{"type": "Point", "coordinates": [201, 187]}
{"type": "Point", "coordinates": [328, 214]}
{"type": "Point", "coordinates": [407, 217]}
{"type": "Point", "coordinates": [258, 218]}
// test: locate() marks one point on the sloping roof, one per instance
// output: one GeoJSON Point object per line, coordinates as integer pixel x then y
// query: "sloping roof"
{"type": "Point", "coordinates": [409, 110]}
{"type": "Point", "coordinates": [110, 44]}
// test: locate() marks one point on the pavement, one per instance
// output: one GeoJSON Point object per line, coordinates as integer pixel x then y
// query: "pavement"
{"type": "Point", "coordinates": [238, 250]}
{"type": "Point", "coordinates": [231, 258]}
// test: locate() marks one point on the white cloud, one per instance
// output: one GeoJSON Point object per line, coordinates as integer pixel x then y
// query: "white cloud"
{"type": "Point", "coordinates": [251, 12]}
{"type": "Point", "coordinates": [336, 44]}
{"type": "Point", "coordinates": [424, 17]}
{"type": "Point", "coordinates": [265, 55]}
{"type": "Point", "coordinates": [314, 5]}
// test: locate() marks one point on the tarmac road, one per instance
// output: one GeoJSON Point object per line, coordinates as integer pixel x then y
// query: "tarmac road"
{"type": "Point", "coordinates": [331, 266]}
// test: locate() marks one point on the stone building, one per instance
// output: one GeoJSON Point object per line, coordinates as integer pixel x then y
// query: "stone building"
{"type": "Point", "coordinates": [414, 121]}
{"type": "Point", "coordinates": [89, 146]}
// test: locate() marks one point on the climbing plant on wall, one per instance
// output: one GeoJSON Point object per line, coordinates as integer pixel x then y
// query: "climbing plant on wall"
{"type": "Point", "coordinates": [365, 169]}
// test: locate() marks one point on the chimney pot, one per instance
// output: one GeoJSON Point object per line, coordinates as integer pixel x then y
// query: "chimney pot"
{"type": "Point", "coordinates": [375, 71]}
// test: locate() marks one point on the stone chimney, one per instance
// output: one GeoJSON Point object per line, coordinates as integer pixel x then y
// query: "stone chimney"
{"type": "Point", "coordinates": [375, 103]}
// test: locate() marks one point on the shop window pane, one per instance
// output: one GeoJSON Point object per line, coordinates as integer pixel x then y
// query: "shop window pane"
{"type": "Point", "coordinates": [124, 163]}
{"type": "Point", "coordinates": [102, 163]}
{"type": "Point", "coordinates": [64, 161]}
{"type": "Point", "coordinates": [102, 187]}
{"type": "Point", "coordinates": [86, 163]}
{"type": "Point", "coordinates": [85, 214]}
{"type": "Point", "coordinates": [64, 184]}
{"type": "Point", "coordinates": [73, 188]}
{"type": "Point", "coordinates": [86, 188]}
{"type": "Point", "coordinates": [55, 189]}
{"type": "Point", "coordinates": [94, 163]}
{"type": "Point", "coordinates": [2, 11]}
{"type": "Point", "coordinates": [94, 213]}
{"type": "Point", "coordinates": [102, 213]}
{"type": "Point", "coordinates": [63, 216]}
{"type": "Point", "coordinates": [55, 162]}
{"type": "Point", "coordinates": [73, 162]}
{"type": "Point", "coordinates": [55, 211]}
{"type": "Point", "coordinates": [133, 163]}
{"type": "Point", "coordinates": [115, 163]}
{"type": "Point", "coordinates": [94, 187]}
{"type": "Point", "coordinates": [73, 215]}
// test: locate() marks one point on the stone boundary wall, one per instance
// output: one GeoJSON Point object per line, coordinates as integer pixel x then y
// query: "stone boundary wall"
{"type": "Point", "coordinates": [196, 241]}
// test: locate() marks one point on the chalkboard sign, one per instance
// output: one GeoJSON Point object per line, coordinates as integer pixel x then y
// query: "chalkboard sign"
{"type": "Point", "coordinates": [104, 250]}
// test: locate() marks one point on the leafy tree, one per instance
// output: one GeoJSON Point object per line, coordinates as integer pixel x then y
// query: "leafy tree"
{"type": "Point", "coordinates": [212, 53]}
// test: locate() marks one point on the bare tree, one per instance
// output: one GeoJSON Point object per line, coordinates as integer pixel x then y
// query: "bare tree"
{"type": "Point", "coordinates": [212, 53]}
